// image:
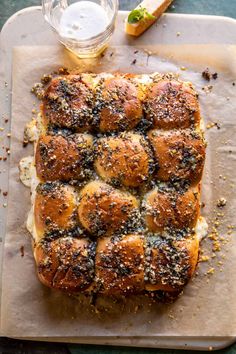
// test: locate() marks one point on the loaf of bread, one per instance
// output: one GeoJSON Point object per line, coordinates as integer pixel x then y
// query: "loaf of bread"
{"type": "Point", "coordinates": [115, 185]}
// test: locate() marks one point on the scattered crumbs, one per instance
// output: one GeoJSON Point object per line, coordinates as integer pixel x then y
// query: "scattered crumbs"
{"type": "Point", "coordinates": [134, 62]}
{"type": "Point", "coordinates": [6, 84]}
{"type": "Point", "coordinates": [203, 204]}
{"type": "Point", "coordinates": [4, 205]}
{"type": "Point", "coordinates": [102, 55]}
{"type": "Point", "coordinates": [221, 202]}
{"type": "Point", "coordinates": [111, 54]}
{"type": "Point", "coordinates": [178, 34]}
{"type": "Point", "coordinates": [25, 142]}
{"type": "Point", "coordinates": [8, 135]}
{"type": "Point", "coordinates": [1, 129]}
{"type": "Point", "coordinates": [46, 78]}
{"type": "Point", "coordinates": [136, 51]}
{"type": "Point", "coordinates": [233, 83]}
{"type": "Point", "coordinates": [207, 88]}
{"type": "Point", "coordinates": [164, 25]}
{"type": "Point", "coordinates": [38, 90]}
{"type": "Point", "coordinates": [216, 246]}
{"type": "Point", "coordinates": [214, 76]}
{"type": "Point", "coordinates": [34, 111]}
{"type": "Point", "coordinates": [6, 120]}
{"type": "Point", "coordinates": [22, 251]}
{"type": "Point", "coordinates": [63, 70]}
{"type": "Point", "coordinates": [171, 316]}
{"type": "Point", "coordinates": [183, 68]}
{"type": "Point", "coordinates": [206, 74]}
{"type": "Point", "coordinates": [149, 52]}
{"type": "Point", "coordinates": [210, 270]}
{"type": "Point", "coordinates": [5, 194]}
{"type": "Point", "coordinates": [213, 124]}
{"type": "Point", "coordinates": [204, 258]}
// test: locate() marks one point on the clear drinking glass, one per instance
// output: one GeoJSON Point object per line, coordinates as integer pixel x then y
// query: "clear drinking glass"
{"type": "Point", "coordinates": [83, 48]}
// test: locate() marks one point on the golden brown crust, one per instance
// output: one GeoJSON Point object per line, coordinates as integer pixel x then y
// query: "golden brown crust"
{"type": "Point", "coordinates": [54, 207]}
{"type": "Point", "coordinates": [66, 263]}
{"type": "Point", "coordinates": [68, 103]}
{"type": "Point", "coordinates": [96, 238]}
{"type": "Point", "coordinates": [176, 209]}
{"type": "Point", "coordinates": [120, 264]}
{"type": "Point", "coordinates": [118, 104]}
{"type": "Point", "coordinates": [170, 263]}
{"type": "Point", "coordinates": [172, 104]}
{"type": "Point", "coordinates": [125, 159]}
{"type": "Point", "coordinates": [63, 158]}
{"type": "Point", "coordinates": [179, 154]}
{"type": "Point", "coordinates": [103, 209]}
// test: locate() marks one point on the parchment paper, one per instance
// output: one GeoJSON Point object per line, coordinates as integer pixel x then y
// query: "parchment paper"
{"type": "Point", "coordinates": [208, 306]}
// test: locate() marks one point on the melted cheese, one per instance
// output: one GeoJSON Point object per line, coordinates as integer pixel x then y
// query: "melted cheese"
{"type": "Point", "coordinates": [29, 178]}
{"type": "Point", "coordinates": [34, 128]}
{"type": "Point", "coordinates": [201, 228]}
{"type": "Point", "coordinates": [25, 166]}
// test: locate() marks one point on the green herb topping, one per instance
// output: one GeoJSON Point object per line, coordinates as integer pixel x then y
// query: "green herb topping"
{"type": "Point", "coordinates": [140, 14]}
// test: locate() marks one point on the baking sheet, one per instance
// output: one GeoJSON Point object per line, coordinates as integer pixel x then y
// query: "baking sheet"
{"type": "Point", "coordinates": [207, 307]}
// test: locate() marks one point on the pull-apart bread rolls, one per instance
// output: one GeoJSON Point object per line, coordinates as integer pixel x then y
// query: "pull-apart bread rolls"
{"type": "Point", "coordinates": [120, 264]}
{"type": "Point", "coordinates": [172, 104]}
{"type": "Point", "coordinates": [118, 105]}
{"type": "Point", "coordinates": [116, 186]}
{"type": "Point", "coordinates": [63, 158]}
{"type": "Point", "coordinates": [104, 210]}
{"type": "Point", "coordinates": [68, 103]}
{"type": "Point", "coordinates": [124, 159]}
{"type": "Point", "coordinates": [54, 208]}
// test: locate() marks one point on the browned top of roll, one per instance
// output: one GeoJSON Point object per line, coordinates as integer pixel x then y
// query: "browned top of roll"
{"type": "Point", "coordinates": [66, 263]}
{"type": "Point", "coordinates": [120, 264]}
{"type": "Point", "coordinates": [179, 154]}
{"type": "Point", "coordinates": [172, 104]}
{"type": "Point", "coordinates": [63, 158]}
{"type": "Point", "coordinates": [103, 209]}
{"type": "Point", "coordinates": [170, 263]}
{"type": "Point", "coordinates": [118, 105]}
{"type": "Point", "coordinates": [54, 207]}
{"type": "Point", "coordinates": [125, 159]}
{"type": "Point", "coordinates": [68, 103]}
{"type": "Point", "coordinates": [171, 209]}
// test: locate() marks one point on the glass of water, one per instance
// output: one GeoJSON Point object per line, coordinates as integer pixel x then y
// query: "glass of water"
{"type": "Point", "coordinates": [85, 26]}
